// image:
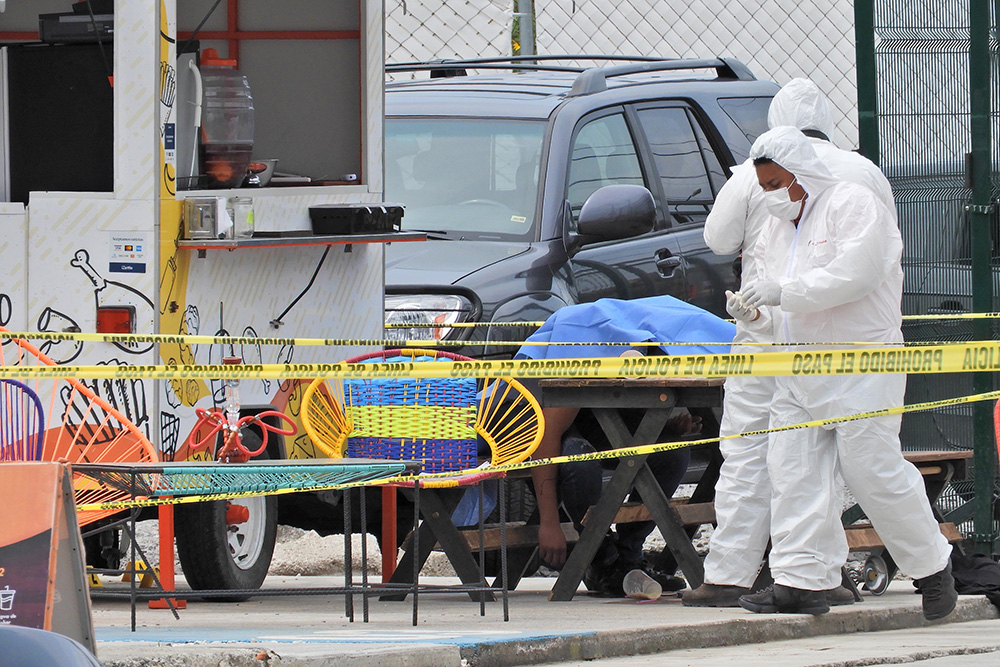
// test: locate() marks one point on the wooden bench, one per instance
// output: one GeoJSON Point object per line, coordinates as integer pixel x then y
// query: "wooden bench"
{"type": "Point", "coordinates": [937, 467]}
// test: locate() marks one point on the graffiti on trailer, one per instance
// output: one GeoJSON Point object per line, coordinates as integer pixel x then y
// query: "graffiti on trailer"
{"type": "Point", "coordinates": [113, 293]}
{"type": "Point", "coordinates": [127, 396]}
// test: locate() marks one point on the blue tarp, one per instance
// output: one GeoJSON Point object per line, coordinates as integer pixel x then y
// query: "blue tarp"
{"type": "Point", "coordinates": [661, 319]}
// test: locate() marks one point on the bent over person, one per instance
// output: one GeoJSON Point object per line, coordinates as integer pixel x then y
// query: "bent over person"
{"type": "Point", "coordinates": [591, 330]}
{"type": "Point", "coordinates": [830, 267]}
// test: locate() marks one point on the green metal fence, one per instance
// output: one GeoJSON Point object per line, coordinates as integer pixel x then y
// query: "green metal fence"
{"type": "Point", "coordinates": [927, 107]}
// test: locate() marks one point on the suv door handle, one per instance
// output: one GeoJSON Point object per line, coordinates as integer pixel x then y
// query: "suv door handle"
{"type": "Point", "coordinates": [667, 263]}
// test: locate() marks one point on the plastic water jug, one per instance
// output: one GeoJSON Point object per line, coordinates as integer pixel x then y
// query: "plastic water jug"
{"type": "Point", "coordinates": [227, 122]}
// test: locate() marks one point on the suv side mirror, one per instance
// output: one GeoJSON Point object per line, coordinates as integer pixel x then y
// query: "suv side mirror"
{"type": "Point", "coordinates": [617, 212]}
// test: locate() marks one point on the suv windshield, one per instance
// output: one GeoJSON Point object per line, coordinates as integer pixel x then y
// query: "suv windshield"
{"type": "Point", "coordinates": [474, 178]}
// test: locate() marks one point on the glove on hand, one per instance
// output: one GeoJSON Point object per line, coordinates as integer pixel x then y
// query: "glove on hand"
{"type": "Point", "coordinates": [763, 293]}
{"type": "Point", "coordinates": [736, 308]}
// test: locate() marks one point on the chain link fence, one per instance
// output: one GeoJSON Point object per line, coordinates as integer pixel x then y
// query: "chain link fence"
{"type": "Point", "coordinates": [777, 39]}
{"type": "Point", "coordinates": [432, 29]}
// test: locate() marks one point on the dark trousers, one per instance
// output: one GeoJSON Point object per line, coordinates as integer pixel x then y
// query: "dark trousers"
{"type": "Point", "coordinates": [580, 483]}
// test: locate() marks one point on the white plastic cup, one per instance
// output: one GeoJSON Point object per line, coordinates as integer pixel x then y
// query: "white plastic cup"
{"type": "Point", "coordinates": [639, 585]}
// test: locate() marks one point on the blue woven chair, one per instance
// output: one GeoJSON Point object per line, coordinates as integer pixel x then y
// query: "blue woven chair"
{"type": "Point", "coordinates": [22, 422]}
{"type": "Point", "coordinates": [439, 422]}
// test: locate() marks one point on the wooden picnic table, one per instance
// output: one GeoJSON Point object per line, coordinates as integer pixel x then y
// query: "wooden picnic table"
{"type": "Point", "coordinates": [608, 398]}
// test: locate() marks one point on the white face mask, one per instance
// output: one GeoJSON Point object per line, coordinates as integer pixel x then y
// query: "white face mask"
{"type": "Point", "coordinates": [779, 203]}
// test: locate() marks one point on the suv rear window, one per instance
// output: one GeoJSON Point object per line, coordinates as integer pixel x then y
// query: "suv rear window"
{"type": "Point", "coordinates": [690, 172]}
{"type": "Point", "coordinates": [749, 114]}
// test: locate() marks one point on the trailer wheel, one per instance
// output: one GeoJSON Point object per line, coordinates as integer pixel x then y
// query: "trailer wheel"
{"type": "Point", "coordinates": [876, 575]}
{"type": "Point", "coordinates": [218, 555]}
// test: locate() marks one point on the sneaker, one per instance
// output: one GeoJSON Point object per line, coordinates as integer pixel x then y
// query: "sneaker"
{"type": "Point", "coordinates": [840, 596]}
{"type": "Point", "coordinates": [778, 599]}
{"type": "Point", "coordinates": [714, 595]}
{"type": "Point", "coordinates": [938, 593]}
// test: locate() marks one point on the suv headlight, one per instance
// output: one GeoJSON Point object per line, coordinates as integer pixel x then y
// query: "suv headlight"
{"type": "Point", "coordinates": [414, 316]}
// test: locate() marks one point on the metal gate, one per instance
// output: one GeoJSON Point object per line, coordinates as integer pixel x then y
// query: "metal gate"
{"type": "Point", "coordinates": [927, 90]}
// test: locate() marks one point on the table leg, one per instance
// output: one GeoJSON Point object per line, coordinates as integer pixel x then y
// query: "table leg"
{"type": "Point", "coordinates": [598, 521]}
{"type": "Point", "coordinates": [671, 527]}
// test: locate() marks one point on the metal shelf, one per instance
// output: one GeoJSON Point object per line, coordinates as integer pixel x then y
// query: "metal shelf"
{"type": "Point", "coordinates": [273, 242]}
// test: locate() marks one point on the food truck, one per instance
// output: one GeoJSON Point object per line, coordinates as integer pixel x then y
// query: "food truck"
{"type": "Point", "coordinates": [163, 166]}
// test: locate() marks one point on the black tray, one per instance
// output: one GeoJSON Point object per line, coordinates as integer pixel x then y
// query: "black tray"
{"type": "Point", "coordinates": [355, 218]}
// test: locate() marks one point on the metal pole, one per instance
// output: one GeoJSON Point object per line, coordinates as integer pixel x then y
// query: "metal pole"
{"type": "Point", "coordinates": [525, 15]}
{"type": "Point", "coordinates": [980, 214]}
{"type": "Point", "coordinates": [864, 36]}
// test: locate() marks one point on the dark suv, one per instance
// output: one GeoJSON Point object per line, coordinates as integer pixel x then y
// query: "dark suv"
{"type": "Point", "coordinates": [496, 168]}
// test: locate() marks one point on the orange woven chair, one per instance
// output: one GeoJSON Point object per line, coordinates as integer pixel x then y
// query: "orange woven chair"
{"type": "Point", "coordinates": [436, 421]}
{"type": "Point", "coordinates": [82, 427]}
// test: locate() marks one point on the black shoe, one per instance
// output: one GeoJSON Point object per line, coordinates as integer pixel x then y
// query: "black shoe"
{"type": "Point", "coordinates": [670, 583]}
{"type": "Point", "coordinates": [714, 595]}
{"type": "Point", "coordinates": [778, 599]}
{"type": "Point", "coordinates": [840, 596]}
{"type": "Point", "coordinates": [604, 582]}
{"type": "Point", "coordinates": [938, 593]}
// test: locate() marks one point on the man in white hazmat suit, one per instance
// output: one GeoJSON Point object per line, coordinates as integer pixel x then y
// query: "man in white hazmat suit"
{"type": "Point", "coordinates": [830, 264]}
{"type": "Point", "coordinates": [743, 492]}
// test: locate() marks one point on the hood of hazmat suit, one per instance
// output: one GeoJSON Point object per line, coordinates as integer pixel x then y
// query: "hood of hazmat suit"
{"type": "Point", "coordinates": [800, 103]}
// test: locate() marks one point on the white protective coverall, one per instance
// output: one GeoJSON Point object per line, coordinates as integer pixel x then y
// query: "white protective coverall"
{"type": "Point", "coordinates": [743, 492]}
{"type": "Point", "coordinates": [841, 280]}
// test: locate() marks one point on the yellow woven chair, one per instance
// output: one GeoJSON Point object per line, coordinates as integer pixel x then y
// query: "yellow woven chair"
{"type": "Point", "coordinates": [436, 421]}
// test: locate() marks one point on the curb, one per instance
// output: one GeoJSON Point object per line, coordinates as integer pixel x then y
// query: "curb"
{"type": "Point", "coordinates": [283, 655]}
{"type": "Point", "coordinates": [752, 630]}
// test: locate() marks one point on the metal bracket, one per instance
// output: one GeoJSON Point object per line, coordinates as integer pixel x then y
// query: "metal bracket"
{"type": "Point", "coordinates": [982, 537]}
{"type": "Point", "coordinates": [978, 209]}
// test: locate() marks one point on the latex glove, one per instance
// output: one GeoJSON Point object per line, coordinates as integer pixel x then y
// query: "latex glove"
{"type": "Point", "coordinates": [763, 293]}
{"type": "Point", "coordinates": [736, 308]}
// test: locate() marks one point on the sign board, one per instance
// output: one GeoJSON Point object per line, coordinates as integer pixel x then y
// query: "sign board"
{"type": "Point", "coordinates": [43, 581]}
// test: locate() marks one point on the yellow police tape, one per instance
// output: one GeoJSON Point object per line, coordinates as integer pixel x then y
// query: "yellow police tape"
{"type": "Point", "coordinates": [196, 339]}
{"type": "Point", "coordinates": [638, 450]}
{"type": "Point", "coordinates": [963, 357]}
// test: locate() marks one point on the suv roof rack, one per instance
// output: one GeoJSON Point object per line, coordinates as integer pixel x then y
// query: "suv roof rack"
{"type": "Point", "coordinates": [590, 79]}
{"type": "Point", "coordinates": [595, 79]}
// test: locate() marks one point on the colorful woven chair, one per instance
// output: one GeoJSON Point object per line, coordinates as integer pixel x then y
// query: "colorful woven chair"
{"type": "Point", "coordinates": [22, 422]}
{"type": "Point", "coordinates": [82, 427]}
{"type": "Point", "coordinates": [438, 422]}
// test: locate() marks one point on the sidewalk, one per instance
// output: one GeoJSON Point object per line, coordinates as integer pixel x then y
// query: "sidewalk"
{"type": "Point", "coordinates": [311, 630]}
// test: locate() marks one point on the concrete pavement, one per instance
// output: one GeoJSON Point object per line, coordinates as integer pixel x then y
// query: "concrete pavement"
{"type": "Point", "coordinates": [973, 643]}
{"type": "Point", "coordinates": [311, 630]}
